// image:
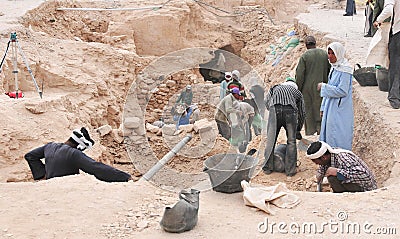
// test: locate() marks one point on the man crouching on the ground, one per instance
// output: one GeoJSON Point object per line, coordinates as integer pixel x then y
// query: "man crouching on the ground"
{"type": "Point", "coordinates": [346, 172]}
{"type": "Point", "coordinates": [63, 159]}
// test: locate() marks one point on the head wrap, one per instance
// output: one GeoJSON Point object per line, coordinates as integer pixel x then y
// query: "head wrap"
{"type": "Point", "coordinates": [82, 138]}
{"type": "Point", "coordinates": [236, 91]}
{"type": "Point", "coordinates": [228, 75]}
{"type": "Point", "coordinates": [290, 82]}
{"type": "Point", "coordinates": [236, 73]}
{"type": "Point", "coordinates": [324, 148]}
{"type": "Point", "coordinates": [341, 63]}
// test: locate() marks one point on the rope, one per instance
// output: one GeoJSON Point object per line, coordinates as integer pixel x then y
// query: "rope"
{"type": "Point", "coordinates": [107, 9]}
{"type": "Point", "coordinates": [156, 7]}
{"type": "Point", "coordinates": [203, 5]}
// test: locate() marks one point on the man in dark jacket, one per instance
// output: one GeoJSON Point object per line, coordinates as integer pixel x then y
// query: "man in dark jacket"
{"type": "Point", "coordinates": [63, 159]}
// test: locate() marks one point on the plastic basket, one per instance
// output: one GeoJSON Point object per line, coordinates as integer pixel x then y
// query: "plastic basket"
{"type": "Point", "coordinates": [226, 171]}
{"type": "Point", "coordinates": [365, 76]}
{"type": "Point", "coordinates": [383, 79]}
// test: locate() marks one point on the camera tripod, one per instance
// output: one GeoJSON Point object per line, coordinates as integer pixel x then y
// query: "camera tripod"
{"type": "Point", "coordinates": [14, 49]}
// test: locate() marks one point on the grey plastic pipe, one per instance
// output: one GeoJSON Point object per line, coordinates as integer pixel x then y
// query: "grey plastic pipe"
{"type": "Point", "coordinates": [147, 176]}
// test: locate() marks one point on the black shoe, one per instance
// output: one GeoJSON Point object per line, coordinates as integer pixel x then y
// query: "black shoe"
{"type": "Point", "coordinates": [394, 105]}
{"type": "Point", "coordinates": [346, 14]}
{"type": "Point", "coordinates": [267, 171]}
{"type": "Point", "coordinates": [368, 35]}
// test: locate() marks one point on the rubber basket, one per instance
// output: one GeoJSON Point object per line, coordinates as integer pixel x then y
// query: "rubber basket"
{"type": "Point", "coordinates": [383, 79]}
{"type": "Point", "coordinates": [365, 76]}
{"type": "Point", "coordinates": [226, 171]}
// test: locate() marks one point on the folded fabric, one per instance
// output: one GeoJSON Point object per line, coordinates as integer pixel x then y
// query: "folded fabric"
{"type": "Point", "coordinates": [262, 197]}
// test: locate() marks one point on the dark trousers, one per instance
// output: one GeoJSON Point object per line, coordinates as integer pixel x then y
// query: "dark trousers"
{"type": "Point", "coordinates": [369, 18]}
{"type": "Point", "coordinates": [350, 7]}
{"type": "Point", "coordinates": [339, 187]}
{"type": "Point", "coordinates": [394, 70]}
{"type": "Point", "coordinates": [224, 129]}
{"type": "Point", "coordinates": [281, 116]}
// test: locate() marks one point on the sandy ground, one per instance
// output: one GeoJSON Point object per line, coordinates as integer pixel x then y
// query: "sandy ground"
{"type": "Point", "coordinates": [83, 207]}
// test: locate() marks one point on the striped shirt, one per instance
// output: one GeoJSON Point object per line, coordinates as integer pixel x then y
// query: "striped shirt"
{"type": "Point", "coordinates": [352, 168]}
{"type": "Point", "coordinates": [287, 95]}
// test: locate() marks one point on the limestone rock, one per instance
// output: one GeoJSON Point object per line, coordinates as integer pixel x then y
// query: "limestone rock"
{"type": "Point", "coordinates": [152, 128]}
{"type": "Point", "coordinates": [132, 123]}
{"type": "Point", "coordinates": [117, 136]}
{"type": "Point", "coordinates": [187, 128]}
{"type": "Point", "coordinates": [36, 108]}
{"type": "Point", "coordinates": [202, 125]}
{"type": "Point", "coordinates": [104, 130]}
{"type": "Point", "coordinates": [169, 129]}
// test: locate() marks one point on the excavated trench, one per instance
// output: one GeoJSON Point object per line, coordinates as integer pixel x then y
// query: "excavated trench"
{"type": "Point", "coordinates": [120, 46]}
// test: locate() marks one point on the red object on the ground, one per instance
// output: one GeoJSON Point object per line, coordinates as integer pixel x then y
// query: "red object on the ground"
{"type": "Point", "coordinates": [14, 95]}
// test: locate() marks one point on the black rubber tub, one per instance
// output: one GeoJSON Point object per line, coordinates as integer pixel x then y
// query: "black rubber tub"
{"type": "Point", "coordinates": [365, 76]}
{"type": "Point", "coordinates": [226, 171]}
{"type": "Point", "coordinates": [382, 79]}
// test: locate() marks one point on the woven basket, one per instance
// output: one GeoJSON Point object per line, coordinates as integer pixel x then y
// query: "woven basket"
{"type": "Point", "coordinates": [365, 76]}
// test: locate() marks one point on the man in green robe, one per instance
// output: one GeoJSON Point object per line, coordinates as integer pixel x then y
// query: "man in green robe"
{"type": "Point", "coordinates": [313, 68]}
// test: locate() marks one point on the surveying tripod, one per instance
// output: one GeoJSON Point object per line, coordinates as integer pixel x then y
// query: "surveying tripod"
{"type": "Point", "coordinates": [14, 48]}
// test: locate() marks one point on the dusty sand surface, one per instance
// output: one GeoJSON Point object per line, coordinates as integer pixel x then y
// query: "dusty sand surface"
{"type": "Point", "coordinates": [88, 61]}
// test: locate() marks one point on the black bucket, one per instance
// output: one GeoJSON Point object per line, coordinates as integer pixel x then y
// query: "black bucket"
{"type": "Point", "coordinates": [365, 76]}
{"type": "Point", "coordinates": [382, 79]}
{"type": "Point", "coordinates": [226, 171]}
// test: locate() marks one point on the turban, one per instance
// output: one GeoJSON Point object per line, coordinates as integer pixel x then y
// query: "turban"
{"type": "Point", "coordinates": [82, 138]}
{"type": "Point", "coordinates": [324, 148]}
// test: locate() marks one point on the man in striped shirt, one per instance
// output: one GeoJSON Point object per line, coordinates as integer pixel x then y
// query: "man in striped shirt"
{"type": "Point", "coordinates": [286, 109]}
{"type": "Point", "coordinates": [346, 172]}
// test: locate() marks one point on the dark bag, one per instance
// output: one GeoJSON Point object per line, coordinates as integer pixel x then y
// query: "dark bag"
{"type": "Point", "coordinates": [183, 215]}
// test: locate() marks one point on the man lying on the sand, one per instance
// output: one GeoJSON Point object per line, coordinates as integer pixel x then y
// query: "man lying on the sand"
{"type": "Point", "coordinates": [62, 159]}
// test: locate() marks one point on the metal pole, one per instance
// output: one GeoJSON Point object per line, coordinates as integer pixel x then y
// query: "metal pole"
{"type": "Point", "coordinates": [147, 176]}
{"type": "Point", "coordinates": [29, 69]}
{"type": "Point", "coordinates": [14, 60]}
{"type": "Point", "coordinates": [4, 57]}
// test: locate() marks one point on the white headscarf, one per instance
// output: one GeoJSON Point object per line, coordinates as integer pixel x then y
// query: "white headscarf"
{"type": "Point", "coordinates": [82, 138]}
{"type": "Point", "coordinates": [237, 74]}
{"type": "Point", "coordinates": [341, 63]}
{"type": "Point", "coordinates": [324, 148]}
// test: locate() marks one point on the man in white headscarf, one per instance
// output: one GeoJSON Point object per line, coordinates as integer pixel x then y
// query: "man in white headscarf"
{"type": "Point", "coordinates": [63, 159]}
{"type": "Point", "coordinates": [337, 103]}
{"type": "Point", "coordinates": [345, 171]}
{"type": "Point", "coordinates": [224, 85]}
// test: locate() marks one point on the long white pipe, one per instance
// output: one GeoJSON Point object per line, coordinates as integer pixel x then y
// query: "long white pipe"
{"type": "Point", "coordinates": [147, 176]}
{"type": "Point", "coordinates": [107, 9]}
